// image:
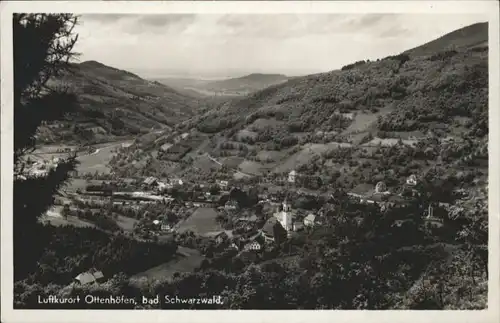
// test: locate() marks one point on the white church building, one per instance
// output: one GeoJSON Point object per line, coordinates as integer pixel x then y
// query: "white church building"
{"type": "Point", "coordinates": [285, 217]}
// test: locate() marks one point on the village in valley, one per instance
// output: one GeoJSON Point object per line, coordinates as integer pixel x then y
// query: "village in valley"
{"type": "Point", "coordinates": [226, 215]}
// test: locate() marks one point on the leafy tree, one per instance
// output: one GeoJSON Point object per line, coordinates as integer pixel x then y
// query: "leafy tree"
{"type": "Point", "coordinates": [43, 46]}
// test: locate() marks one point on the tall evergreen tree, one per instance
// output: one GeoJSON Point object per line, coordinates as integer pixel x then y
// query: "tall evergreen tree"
{"type": "Point", "coordinates": [43, 47]}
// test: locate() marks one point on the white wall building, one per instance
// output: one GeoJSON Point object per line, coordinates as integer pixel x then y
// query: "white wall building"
{"type": "Point", "coordinates": [285, 217]}
{"type": "Point", "coordinates": [411, 180]}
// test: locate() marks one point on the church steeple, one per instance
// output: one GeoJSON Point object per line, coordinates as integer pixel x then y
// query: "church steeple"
{"type": "Point", "coordinates": [286, 206]}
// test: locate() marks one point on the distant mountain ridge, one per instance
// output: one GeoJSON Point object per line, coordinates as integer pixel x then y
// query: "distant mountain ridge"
{"type": "Point", "coordinates": [251, 82]}
{"type": "Point", "coordinates": [237, 86]}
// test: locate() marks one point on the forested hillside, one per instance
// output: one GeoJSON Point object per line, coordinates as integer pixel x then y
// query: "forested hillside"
{"type": "Point", "coordinates": [116, 103]}
{"type": "Point", "coordinates": [417, 90]}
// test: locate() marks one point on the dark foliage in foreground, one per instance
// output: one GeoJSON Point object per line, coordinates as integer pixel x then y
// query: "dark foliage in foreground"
{"type": "Point", "coordinates": [42, 48]}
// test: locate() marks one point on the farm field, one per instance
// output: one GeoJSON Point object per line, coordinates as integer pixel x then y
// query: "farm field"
{"type": "Point", "coordinates": [98, 160]}
{"type": "Point", "coordinates": [251, 167]}
{"type": "Point", "coordinates": [203, 220]}
{"type": "Point", "coordinates": [204, 163]}
{"type": "Point", "coordinates": [363, 121]}
{"type": "Point", "coordinates": [55, 218]}
{"type": "Point", "coordinates": [126, 223]}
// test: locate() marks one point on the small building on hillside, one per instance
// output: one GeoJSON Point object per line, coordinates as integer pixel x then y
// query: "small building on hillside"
{"type": "Point", "coordinates": [411, 180]}
{"type": "Point", "coordinates": [166, 227]}
{"type": "Point", "coordinates": [89, 277]}
{"type": "Point", "coordinates": [222, 184]}
{"type": "Point", "coordinates": [255, 242]}
{"type": "Point", "coordinates": [310, 220]}
{"type": "Point", "coordinates": [150, 181]}
{"type": "Point", "coordinates": [380, 187]}
{"type": "Point", "coordinates": [254, 245]}
{"type": "Point", "coordinates": [292, 176]}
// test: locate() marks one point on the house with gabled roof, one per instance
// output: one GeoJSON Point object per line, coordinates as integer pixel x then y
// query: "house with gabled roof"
{"type": "Point", "coordinates": [165, 226]}
{"type": "Point", "coordinates": [411, 180]}
{"type": "Point", "coordinates": [149, 181]}
{"type": "Point", "coordinates": [310, 220]}
{"type": "Point", "coordinates": [255, 242]}
{"type": "Point", "coordinates": [89, 277]}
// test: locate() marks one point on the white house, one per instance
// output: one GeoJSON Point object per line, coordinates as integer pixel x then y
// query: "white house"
{"type": "Point", "coordinates": [254, 245]}
{"type": "Point", "coordinates": [411, 180]}
{"type": "Point", "coordinates": [166, 227]}
{"type": "Point", "coordinates": [223, 184]}
{"type": "Point", "coordinates": [89, 277]}
{"type": "Point", "coordinates": [310, 220]}
{"type": "Point", "coordinates": [292, 176]}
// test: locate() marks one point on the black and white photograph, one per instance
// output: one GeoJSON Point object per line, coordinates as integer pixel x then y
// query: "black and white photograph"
{"type": "Point", "coordinates": [249, 160]}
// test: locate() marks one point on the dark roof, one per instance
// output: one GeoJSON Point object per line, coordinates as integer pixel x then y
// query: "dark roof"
{"type": "Point", "coordinates": [268, 227]}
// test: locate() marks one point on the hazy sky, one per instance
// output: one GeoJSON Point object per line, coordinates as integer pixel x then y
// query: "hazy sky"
{"type": "Point", "coordinates": [210, 45]}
